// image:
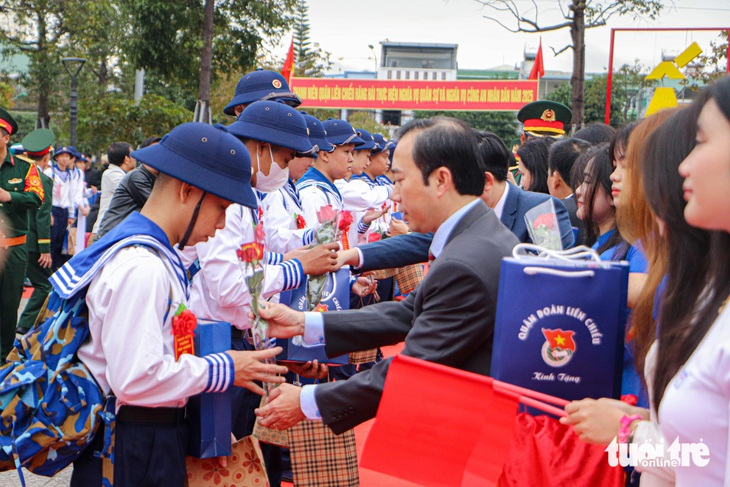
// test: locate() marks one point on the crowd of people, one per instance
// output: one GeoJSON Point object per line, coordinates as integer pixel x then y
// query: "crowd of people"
{"type": "Point", "coordinates": [440, 194]}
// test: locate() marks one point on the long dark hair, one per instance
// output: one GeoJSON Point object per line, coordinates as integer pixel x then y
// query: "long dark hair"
{"type": "Point", "coordinates": [595, 163]}
{"type": "Point", "coordinates": [681, 255]}
{"type": "Point", "coordinates": [698, 281]}
{"type": "Point", "coordinates": [534, 156]}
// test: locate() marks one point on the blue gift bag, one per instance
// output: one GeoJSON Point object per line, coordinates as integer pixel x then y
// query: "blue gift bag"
{"type": "Point", "coordinates": [560, 325]}
{"type": "Point", "coordinates": [336, 298]}
{"type": "Point", "coordinates": [209, 414]}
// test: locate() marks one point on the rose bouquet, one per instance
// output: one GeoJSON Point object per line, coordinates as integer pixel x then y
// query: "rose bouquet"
{"type": "Point", "coordinates": [251, 258]}
{"type": "Point", "coordinates": [333, 225]}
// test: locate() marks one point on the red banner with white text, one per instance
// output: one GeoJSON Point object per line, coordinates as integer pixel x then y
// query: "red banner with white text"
{"type": "Point", "coordinates": [370, 94]}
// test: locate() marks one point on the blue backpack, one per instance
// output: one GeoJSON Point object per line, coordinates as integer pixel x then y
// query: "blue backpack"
{"type": "Point", "coordinates": [51, 404]}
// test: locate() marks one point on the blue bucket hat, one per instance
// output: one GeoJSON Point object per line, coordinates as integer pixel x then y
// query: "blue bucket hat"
{"type": "Point", "coordinates": [66, 149]}
{"type": "Point", "coordinates": [339, 132]}
{"type": "Point", "coordinates": [258, 85]}
{"type": "Point", "coordinates": [317, 134]}
{"type": "Point", "coordinates": [16, 149]}
{"type": "Point", "coordinates": [206, 157]}
{"type": "Point", "coordinates": [382, 144]}
{"type": "Point", "coordinates": [275, 123]}
{"type": "Point", "coordinates": [367, 138]}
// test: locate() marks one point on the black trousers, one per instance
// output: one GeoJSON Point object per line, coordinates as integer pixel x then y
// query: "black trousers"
{"type": "Point", "coordinates": [11, 292]}
{"type": "Point", "coordinates": [145, 455]}
{"type": "Point", "coordinates": [58, 234]}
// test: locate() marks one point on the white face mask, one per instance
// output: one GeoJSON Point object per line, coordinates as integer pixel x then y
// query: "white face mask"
{"type": "Point", "coordinates": [276, 179]}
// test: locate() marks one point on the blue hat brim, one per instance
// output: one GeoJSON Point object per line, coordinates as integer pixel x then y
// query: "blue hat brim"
{"type": "Point", "coordinates": [179, 167]}
{"type": "Point", "coordinates": [63, 151]}
{"type": "Point", "coordinates": [272, 135]}
{"type": "Point", "coordinates": [289, 98]}
{"type": "Point", "coordinates": [346, 139]}
{"type": "Point", "coordinates": [366, 145]}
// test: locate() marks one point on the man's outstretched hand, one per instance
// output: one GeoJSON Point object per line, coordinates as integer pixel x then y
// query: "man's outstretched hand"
{"type": "Point", "coordinates": [283, 410]}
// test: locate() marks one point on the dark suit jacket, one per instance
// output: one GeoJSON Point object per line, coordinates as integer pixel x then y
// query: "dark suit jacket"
{"type": "Point", "coordinates": [412, 248]}
{"type": "Point", "coordinates": [449, 319]}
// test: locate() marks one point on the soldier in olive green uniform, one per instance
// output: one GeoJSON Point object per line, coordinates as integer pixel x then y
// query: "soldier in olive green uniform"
{"type": "Point", "coordinates": [37, 145]}
{"type": "Point", "coordinates": [20, 190]}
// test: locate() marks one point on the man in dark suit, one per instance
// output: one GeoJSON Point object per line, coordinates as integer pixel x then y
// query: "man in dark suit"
{"type": "Point", "coordinates": [509, 202]}
{"type": "Point", "coordinates": [449, 319]}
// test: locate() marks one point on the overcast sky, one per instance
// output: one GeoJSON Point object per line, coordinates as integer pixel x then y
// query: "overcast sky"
{"type": "Point", "coordinates": [345, 28]}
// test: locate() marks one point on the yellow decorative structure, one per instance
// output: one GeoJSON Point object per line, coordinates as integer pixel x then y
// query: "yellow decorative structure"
{"type": "Point", "coordinates": [665, 97]}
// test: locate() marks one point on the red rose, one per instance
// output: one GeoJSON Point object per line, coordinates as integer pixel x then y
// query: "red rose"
{"type": "Point", "coordinates": [248, 252]}
{"type": "Point", "coordinates": [345, 220]}
{"type": "Point", "coordinates": [258, 249]}
{"type": "Point", "coordinates": [326, 213]}
{"type": "Point", "coordinates": [547, 219]}
{"type": "Point", "coordinates": [184, 323]}
{"type": "Point", "coordinates": [301, 222]}
{"type": "Point", "coordinates": [374, 237]}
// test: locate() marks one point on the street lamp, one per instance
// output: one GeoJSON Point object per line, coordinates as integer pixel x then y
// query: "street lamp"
{"type": "Point", "coordinates": [375, 59]}
{"type": "Point", "coordinates": [73, 65]}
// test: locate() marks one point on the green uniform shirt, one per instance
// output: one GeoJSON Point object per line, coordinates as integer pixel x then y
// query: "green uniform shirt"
{"type": "Point", "coordinates": [39, 221]}
{"type": "Point", "coordinates": [22, 181]}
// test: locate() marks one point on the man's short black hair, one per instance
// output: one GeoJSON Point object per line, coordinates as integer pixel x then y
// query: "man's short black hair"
{"type": "Point", "coordinates": [494, 155]}
{"type": "Point", "coordinates": [563, 155]}
{"type": "Point", "coordinates": [451, 143]}
{"type": "Point", "coordinates": [118, 151]}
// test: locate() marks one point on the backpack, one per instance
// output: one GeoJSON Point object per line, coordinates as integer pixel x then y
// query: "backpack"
{"type": "Point", "coordinates": [51, 404]}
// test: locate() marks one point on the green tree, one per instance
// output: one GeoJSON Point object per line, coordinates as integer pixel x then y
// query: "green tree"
{"type": "Point", "coordinates": [363, 119]}
{"type": "Point", "coordinates": [114, 118]}
{"type": "Point", "coordinates": [711, 66]}
{"type": "Point", "coordinates": [504, 124]}
{"type": "Point", "coordinates": [36, 28]}
{"type": "Point", "coordinates": [167, 39]}
{"type": "Point", "coordinates": [579, 16]}
{"type": "Point", "coordinates": [311, 60]}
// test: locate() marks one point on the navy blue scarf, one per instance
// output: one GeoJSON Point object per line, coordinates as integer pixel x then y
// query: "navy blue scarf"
{"type": "Point", "coordinates": [136, 229]}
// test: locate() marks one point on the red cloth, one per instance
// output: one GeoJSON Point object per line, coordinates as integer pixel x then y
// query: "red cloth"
{"type": "Point", "coordinates": [538, 68]}
{"type": "Point", "coordinates": [288, 68]}
{"type": "Point", "coordinates": [437, 425]}
{"type": "Point", "coordinates": [549, 454]}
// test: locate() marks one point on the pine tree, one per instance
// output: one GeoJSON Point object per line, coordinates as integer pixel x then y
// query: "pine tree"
{"type": "Point", "coordinates": [301, 30]}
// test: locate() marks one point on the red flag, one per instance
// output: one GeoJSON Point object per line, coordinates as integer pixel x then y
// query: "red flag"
{"type": "Point", "coordinates": [447, 427]}
{"type": "Point", "coordinates": [288, 68]}
{"type": "Point", "coordinates": [538, 68]}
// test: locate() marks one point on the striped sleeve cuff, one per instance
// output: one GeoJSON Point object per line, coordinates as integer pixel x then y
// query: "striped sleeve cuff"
{"type": "Point", "coordinates": [272, 258]}
{"type": "Point", "coordinates": [293, 274]}
{"type": "Point", "coordinates": [362, 227]}
{"type": "Point", "coordinates": [308, 237]}
{"type": "Point", "coordinates": [220, 372]}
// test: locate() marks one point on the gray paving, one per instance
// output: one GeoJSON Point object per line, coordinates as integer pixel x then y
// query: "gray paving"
{"type": "Point", "coordinates": [11, 479]}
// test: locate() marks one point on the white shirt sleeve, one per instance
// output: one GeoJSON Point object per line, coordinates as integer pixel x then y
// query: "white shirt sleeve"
{"type": "Point", "coordinates": [357, 195]}
{"type": "Point", "coordinates": [131, 348]}
{"type": "Point", "coordinates": [225, 294]}
{"type": "Point", "coordinates": [313, 199]}
{"type": "Point", "coordinates": [278, 223]}
{"type": "Point", "coordinates": [308, 404]}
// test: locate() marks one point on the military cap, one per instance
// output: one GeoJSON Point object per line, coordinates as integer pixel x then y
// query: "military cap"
{"type": "Point", "coordinates": [7, 122]}
{"type": "Point", "coordinates": [275, 123]}
{"type": "Point", "coordinates": [339, 132]}
{"type": "Point", "coordinates": [317, 134]}
{"type": "Point", "coordinates": [206, 157]}
{"type": "Point", "coordinates": [38, 142]}
{"type": "Point", "coordinates": [261, 84]}
{"type": "Point", "coordinates": [369, 144]}
{"type": "Point", "coordinates": [544, 118]}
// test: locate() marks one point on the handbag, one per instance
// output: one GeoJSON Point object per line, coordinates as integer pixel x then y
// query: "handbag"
{"type": "Point", "coordinates": [245, 467]}
{"type": "Point", "coordinates": [320, 458]}
{"type": "Point", "coordinates": [270, 435]}
{"type": "Point", "coordinates": [559, 326]}
{"type": "Point", "coordinates": [409, 277]}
